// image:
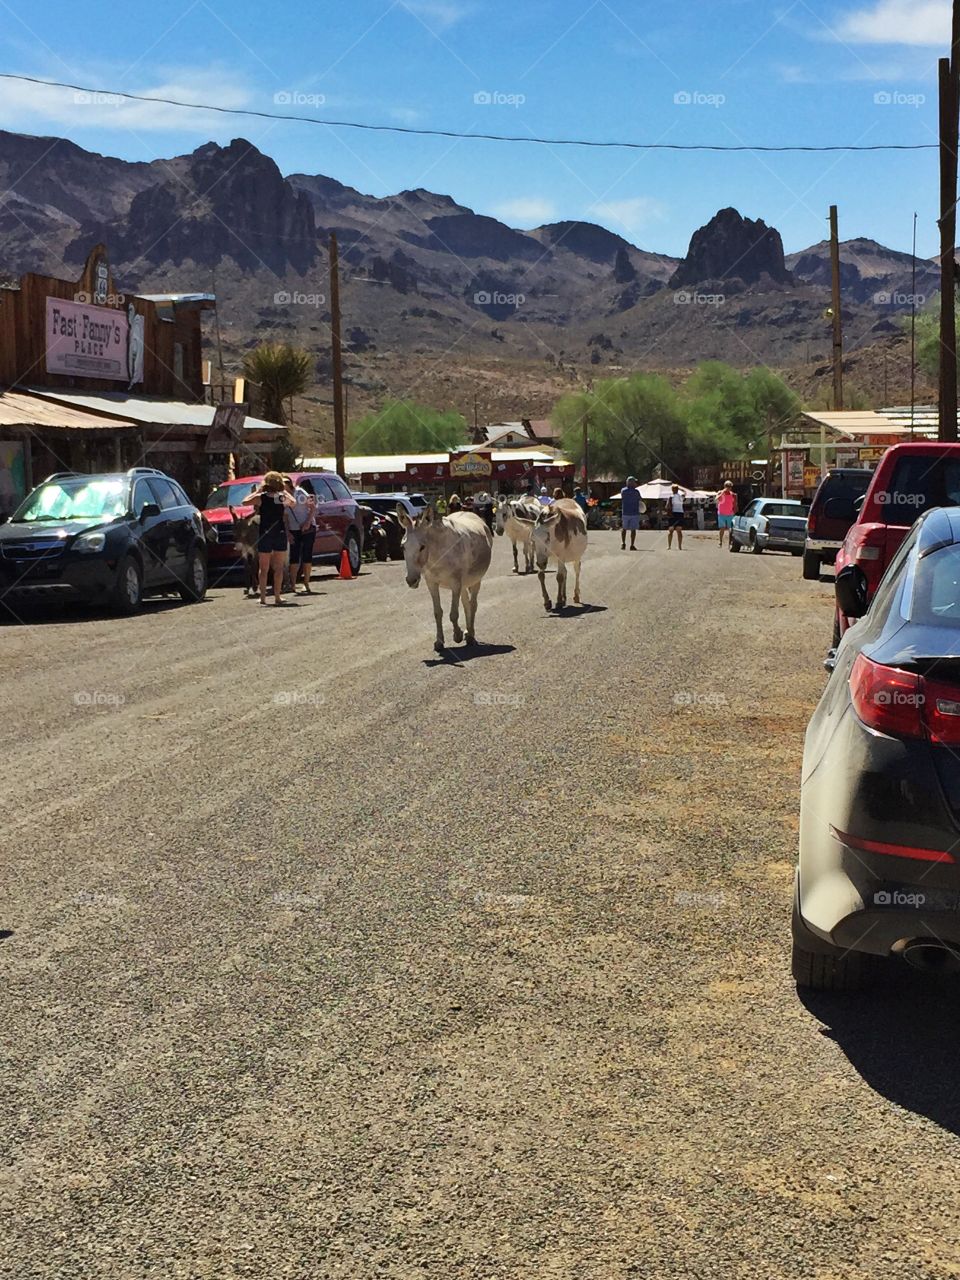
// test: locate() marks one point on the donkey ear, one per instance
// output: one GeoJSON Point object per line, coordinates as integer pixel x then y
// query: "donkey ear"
{"type": "Point", "coordinates": [428, 515]}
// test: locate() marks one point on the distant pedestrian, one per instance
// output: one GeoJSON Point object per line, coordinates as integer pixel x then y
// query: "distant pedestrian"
{"type": "Point", "coordinates": [580, 498]}
{"type": "Point", "coordinates": [726, 508]}
{"type": "Point", "coordinates": [631, 509]}
{"type": "Point", "coordinates": [271, 501]}
{"type": "Point", "coordinates": [543, 496]}
{"type": "Point", "coordinates": [675, 500]}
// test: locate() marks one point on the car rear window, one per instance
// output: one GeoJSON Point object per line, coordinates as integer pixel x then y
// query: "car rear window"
{"type": "Point", "coordinates": [340, 490]}
{"type": "Point", "coordinates": [841, 486]}
{"type": "Point", "coordinates": [780, 509]}
{"type": "Point", "coordinates": [919, 482]}
{"type": "Point", "coordinates": [164, 490]}
{"type": "Point", "coordinates": [935, 596]}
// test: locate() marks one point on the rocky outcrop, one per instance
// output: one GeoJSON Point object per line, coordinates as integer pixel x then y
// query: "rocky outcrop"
{"type": "Point", "coordinates": [733, 248]}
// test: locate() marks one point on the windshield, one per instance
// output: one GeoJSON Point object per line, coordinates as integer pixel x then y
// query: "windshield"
{"type": "Point", "coordinates": [76, 498]}
{"type": "Point", "coordinates": [232, 494]}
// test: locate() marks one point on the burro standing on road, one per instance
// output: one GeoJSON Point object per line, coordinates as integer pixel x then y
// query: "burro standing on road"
{"type": "Point", "coordinates": [520, 532]}
{"type": "Point", "coordinates": [560, 533]}
{"type": "Point", "coordinates": [451, 552]}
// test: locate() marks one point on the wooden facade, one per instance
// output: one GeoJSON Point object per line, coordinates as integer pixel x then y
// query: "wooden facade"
{"type": "Point", "coordinates": [172, 361]}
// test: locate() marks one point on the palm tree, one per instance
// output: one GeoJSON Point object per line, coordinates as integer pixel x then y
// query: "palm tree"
{"type": "Point", "coordinates": [280, 371]}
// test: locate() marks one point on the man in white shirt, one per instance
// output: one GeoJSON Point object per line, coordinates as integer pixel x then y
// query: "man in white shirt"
{"type": "Point", "coordinates": [675, 516]}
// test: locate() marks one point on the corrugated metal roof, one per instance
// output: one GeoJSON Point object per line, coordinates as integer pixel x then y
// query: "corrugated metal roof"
{"type": "Point", "coordinates": [152, 410]}
{"type": "Point", "coordinates": [871, 422]}
{"type": "Point", "coordinates": [19, 410]}
{"type": "Point", "coordinates": [359, 464]}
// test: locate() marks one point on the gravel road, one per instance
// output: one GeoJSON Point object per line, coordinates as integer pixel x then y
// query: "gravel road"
{"type": "Point", "coordinates": [328, 958]}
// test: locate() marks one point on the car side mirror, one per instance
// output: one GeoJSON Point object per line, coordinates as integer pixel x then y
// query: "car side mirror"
{"type": "Point", "coordinates": [839, 509]}
{"type": "Point", "coordinates": [148, 511]}
{"type": "Point", "coordinates": [851, 589]}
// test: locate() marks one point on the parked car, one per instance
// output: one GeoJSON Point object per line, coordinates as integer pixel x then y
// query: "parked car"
{"type": "Point", "coordinates": [909, 480]}
{"type": "Point", "coordinates": [831, 514]}
{"type": "Point", "coordinates": [109, 538]}
{"type": "Point", "coordinates": [770, 524]}
{"type": "Point", "coordinates": [879, 866]}
{"type": "Point", "coordinates": [387, 503]}
{"type": "Point", "coordinates": [338, 517]}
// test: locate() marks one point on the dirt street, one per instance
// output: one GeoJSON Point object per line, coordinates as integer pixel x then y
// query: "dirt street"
{"type": "Point", "coordinates": [328, 958]}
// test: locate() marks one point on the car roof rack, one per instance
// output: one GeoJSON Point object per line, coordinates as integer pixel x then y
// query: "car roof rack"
{"type": "Point", "coordinates": [142, 471]}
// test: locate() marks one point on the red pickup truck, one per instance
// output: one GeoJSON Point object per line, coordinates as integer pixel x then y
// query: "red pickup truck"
{"type": "Point", "coordinates": [909, 480]}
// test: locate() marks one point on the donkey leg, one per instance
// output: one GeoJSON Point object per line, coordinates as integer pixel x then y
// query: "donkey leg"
{"type": "Point", "coordinates": [516, 563]}
{"type": "Point", "coordinates": [455, 614]}
{"type": "Point", "coordinates": [438, 614]}
{"type": "Point", "coordinates": [543, 587]}
{"type": "Point", "coordinates": [576, 582]}
{"type": "Point", "coordinates": [561, 585]}
{"type": "Point", "coordinates": [471, 599]}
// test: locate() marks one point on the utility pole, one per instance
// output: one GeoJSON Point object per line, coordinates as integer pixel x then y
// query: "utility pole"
{"type": "Point", "coordinates": [913, 331]}
{"type": "Point", "coordinates": [949, 106]}
{"type": "Point", "coordinates": [586, 457]}
{"type": "Point", "coordinates": [837, 315]}
{"type": "Point", "coordinates": [337, 357]}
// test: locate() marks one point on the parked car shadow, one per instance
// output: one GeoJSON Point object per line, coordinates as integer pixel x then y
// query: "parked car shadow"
{"type": "Point", "coordinates": [903, 1037]}
{"type": "Point", "coordinates": [36, 615]}
{"type": "Point", "coordinates": [457, 655]}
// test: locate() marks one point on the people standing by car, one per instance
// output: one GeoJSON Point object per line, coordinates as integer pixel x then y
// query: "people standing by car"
{"type": "Point", "coordinates": [302, 524]}
{"type": "Point", "coordinates": [631, 508]}
{"type": "Point", "coordinates": [726, 508]}
{"type": "Point", "coordinates": [675, 499]}
{"type": "Point", "coordinates": [271, 502]}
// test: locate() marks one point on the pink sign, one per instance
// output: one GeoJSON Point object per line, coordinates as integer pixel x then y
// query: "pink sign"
{"type": "Point", "coordinates": [86, 341]}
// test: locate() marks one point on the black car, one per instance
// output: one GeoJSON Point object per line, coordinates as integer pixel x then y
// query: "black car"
{"type": "Point", "coordinates": [103, 539]}
{"type": "Point", "coordinates": [831, 514]}
{"type": "Point", "coordinates": [879, 868]}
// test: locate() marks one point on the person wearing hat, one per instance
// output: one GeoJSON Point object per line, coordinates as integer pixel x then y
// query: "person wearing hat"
{"type": "Point", "coordinates": [726, 508]}
{"type": "Point", "coordinates": [631, 508]}
{"type": "Point", "coordinates": [675, 501]}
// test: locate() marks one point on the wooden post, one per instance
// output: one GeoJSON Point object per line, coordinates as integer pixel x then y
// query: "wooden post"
{"type": "Point", "coordinates": [837, 314]}
{"type": "Point", "coordinates": [948, 237]}
{"type": "Point", "coordinates": [586, 457]}
{"type": "Point", "coordinates": [337, 358]}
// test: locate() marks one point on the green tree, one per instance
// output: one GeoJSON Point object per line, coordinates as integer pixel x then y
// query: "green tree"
{"type": "Point", "coordinates": [402, 426]}
{"type": "Point", "coordinates": [280, 371]}
{"type": "Point", "coordinates": [633, 424]}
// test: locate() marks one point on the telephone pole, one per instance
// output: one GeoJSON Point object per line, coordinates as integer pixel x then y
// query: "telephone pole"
{"type": "Point", "coordinates": [336, 357]}
{"type": "Point", "coordinates": [949, 80]}
{"type": "Point", "coordinates": [837, 314]}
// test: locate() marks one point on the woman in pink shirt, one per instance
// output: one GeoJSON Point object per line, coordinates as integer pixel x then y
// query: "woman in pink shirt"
{"type": "Point", "coordinates": [726, 508]}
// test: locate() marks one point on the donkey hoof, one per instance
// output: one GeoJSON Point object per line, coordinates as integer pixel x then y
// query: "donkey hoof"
{"type": "Point", "coordinates": [469, 638]}
{"type": "Point", "coordinates": [438, 646]}
{"type": "Point", "coordinates": [458, 636]}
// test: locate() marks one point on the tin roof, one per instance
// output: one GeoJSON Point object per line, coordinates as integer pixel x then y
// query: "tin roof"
{"type": "Point", "coordinates": [20, 410]}
{"type": "Point", "coordinates": [152, 410]}
{"type": "Point", "coordinates": [875, 422]}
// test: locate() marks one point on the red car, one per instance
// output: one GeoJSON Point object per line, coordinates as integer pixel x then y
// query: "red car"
{"type": "Point", "coordinates": [339, 523]}
{"type": "Point", "coordinates": [909, 480]}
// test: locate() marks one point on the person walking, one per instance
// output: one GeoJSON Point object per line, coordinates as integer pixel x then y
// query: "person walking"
{"type": "Point", "coordinates": [675, 516]}
{"type": "Point", "coordinates": [580, 498]}
{"type": "Point", "coordinates": [271, 502]}
{"type": "Point", "coordinates": [631, 508]}
{"type": "Point", "coordinates": [302, 524]}
{"type": "Point", "coordinates": [544, 497]}
{"type": "Point", "coordinates": [726, 509]}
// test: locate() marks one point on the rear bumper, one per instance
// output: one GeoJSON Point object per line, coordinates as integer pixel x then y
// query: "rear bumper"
{"type": "Point", "coordinates": [824, 546]}
{"type": "Point", "coordinates": [779, 542]}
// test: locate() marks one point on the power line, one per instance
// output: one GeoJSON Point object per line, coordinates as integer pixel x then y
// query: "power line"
{"type": "Point", "coordinates": [453, 133]}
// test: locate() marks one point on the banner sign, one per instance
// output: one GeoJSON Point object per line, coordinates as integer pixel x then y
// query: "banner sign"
{"type": "Point", "coordinates": [471, 464]}
{"type": "Point", "coordinates": [86, 341]}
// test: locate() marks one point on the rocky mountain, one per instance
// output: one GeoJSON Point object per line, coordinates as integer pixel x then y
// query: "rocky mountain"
{"type": "Point", "coordinates": [732, 248]}
{"type": "Point", "coordinates": [426, 282]}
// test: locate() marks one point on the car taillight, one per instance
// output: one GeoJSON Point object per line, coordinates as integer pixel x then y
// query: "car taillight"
{"type": "Point", "coordinates": [903, 704]}
{"type": "Point", "coordinates": [812, 523]}
{"type": "Point", "coordinates": [886, 698]}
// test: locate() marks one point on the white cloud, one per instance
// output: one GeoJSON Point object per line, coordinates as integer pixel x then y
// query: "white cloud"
{"type": "Point", "coordinates": [526, 210]}
{"type": "Point", "coordinates": [633, 214]}
{"type": "Point", "coordinates": [406, 115]}
{"type": "Point", "coordinates": [30, 106]}
{"type": "Point", "coordinates": [437, 13]}
{"type": "Point", "coordinates": [919, 22]}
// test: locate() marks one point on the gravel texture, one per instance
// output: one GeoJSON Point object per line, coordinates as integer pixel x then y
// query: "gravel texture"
{"type": "Point", "coordinates": [332, 959]}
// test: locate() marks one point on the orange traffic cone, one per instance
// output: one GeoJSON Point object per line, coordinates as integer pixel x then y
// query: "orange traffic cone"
{"type": "Point", "coordinates": [346, 573]}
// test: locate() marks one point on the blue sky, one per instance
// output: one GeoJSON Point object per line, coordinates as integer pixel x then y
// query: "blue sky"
{"type": "Point", "coordinates": [809, 72]}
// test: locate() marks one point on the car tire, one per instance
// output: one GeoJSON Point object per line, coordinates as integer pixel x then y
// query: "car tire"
{"type": "Point", "coordinates": [755, 546]}
{"type": "Point", "coordinates": [820, 971]}
{"type": "Point", "coordinates": [811, 566]}
{"type": "Point", "coordinates": [734, 544]}
{"type": "Point", "coordinates": [128, 588]}
{"type": "Point", "coordinates": [352, 544]}
{"type": "Point", "coordinates": [194, 588]}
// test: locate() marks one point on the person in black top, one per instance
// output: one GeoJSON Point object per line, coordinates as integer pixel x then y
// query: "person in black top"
{"type": "Point", "coordinates": [271, 502]}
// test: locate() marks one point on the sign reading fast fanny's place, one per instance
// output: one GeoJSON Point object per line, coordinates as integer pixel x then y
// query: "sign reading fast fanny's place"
{"type": "Point", "coordinates": [86, 340]}
{"type": "Point", "coordinates": [471, 464]}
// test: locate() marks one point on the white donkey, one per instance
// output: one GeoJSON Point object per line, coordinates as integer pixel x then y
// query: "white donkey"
{"type": "Point", "coordinates": [519, 532]}
{"type": "Point", "coordinates": [560, 533]}
{"type": "Point", "coordinates": [452, 552]}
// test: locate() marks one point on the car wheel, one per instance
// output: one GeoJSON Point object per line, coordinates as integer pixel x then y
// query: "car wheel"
{"type": "Point", "coordinates": [734, 544]}
{"type": "Point", "coordinates": [755, 546]}
{"type": "Point", "coordinates": [194, 588]}
{"type": "Point", "coordinates": [818, 966]}
{"type": "Point", "coordinates": [811, 566]}
{"type": "Point", "coordinates": [352, 544]}
{"type": "Point", "coordinates": [128, 588]}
